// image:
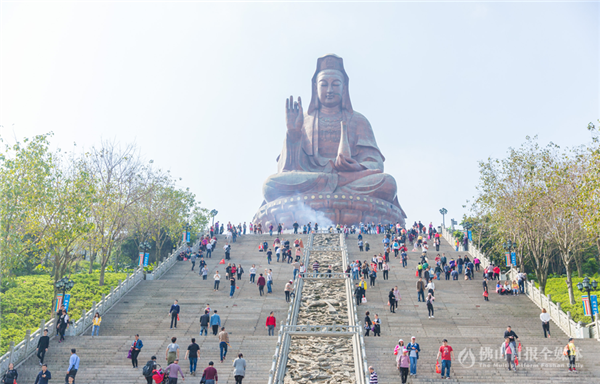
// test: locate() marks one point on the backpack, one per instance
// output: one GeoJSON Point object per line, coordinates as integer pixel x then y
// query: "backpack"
{"type": "Point", "coordinates": [147, 370]}
{"type": "Point", "coordinates": [566, 351]}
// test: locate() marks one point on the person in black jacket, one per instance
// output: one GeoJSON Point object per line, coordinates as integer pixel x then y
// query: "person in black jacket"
{"type": "Point", "coordinates": [11, 375]}
{"type": "Point", "coordinates": [42, 346]}
{"type": "Point", "coordinates": [392, 300]}
{"type": "Point", "coordinates": [368, 323]}
{"type": "Point", "coordinates": [358, 292]}
{"type": "Point", "coordinates": [43, 376]}
{"type": "Point", "coordinates": [174, 312]}
{"type": "Point", "coordinates": [204, 322]}
{"type": "Point", "coordinates": [151, 364]}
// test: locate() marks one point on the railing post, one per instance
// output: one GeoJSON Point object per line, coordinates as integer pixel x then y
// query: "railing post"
{"type": "Point", "coordinates": [27, 341]}
{"type": "Point", "coordinates": [42, 327]}
{"type": "Point", "coordinates": [569, 323]}
{"type": "Point", "coordinates": [120, 288]}
{"type": "Point", "coordinates": [11, 350]}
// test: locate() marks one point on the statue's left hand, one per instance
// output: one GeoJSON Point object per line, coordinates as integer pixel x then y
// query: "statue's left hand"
{"type": "Point", "coordinates": [347, 164]}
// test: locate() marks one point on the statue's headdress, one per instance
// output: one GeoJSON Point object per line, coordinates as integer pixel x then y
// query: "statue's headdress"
{"type": "Point", "coordinates": [330, 61]}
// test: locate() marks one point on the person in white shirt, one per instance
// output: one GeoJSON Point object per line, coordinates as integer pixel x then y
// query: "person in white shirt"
{"type": "Point", "coordinates": [430, 287]}
{"type": "Point", "coordinates": [217, 281]}
{"type": "Point", "coordinates": [252, 273]}
{"type": "Point", "coordinates": [545, 318]}
{"type": "Point", "coordinates": [269, 281]}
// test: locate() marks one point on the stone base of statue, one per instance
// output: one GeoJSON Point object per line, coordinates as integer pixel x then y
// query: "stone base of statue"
{"type": "Point", "coordinates": [328, 209]}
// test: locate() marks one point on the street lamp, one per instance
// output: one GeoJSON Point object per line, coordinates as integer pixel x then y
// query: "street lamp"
{"type": "Point", "coordinates": [65, 284]}
{"type": "Point", "coordinates": [214, 213]}
{"type": "Point", "coordinates": [509, 245]}
{"type": "Point", "coordinates": [588, 287]}
{"type": "Point", "coordinates": [443, 211]}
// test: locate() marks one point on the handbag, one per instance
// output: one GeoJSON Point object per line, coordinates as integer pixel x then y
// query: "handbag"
{"type": "Point", "coordinates": [129, 353]}
{"type": "Point", "coordinates": [437, 367]}
{"type": "Point", "coordinates": [485, 294]}
{"type": "Point", "coordinates": [364, 299]}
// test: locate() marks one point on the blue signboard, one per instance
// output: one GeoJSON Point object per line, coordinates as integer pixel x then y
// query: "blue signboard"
{"type": "Point", "coordinates": [594, 302]}
{"type": "Point", "coordinates": [513, 258]}
{"type": "Point", "coordinates": [187, 237]}
{"type": "Point", "coordinates": [67, 300]}
{"type": "Point", "coordinates": [146, 258]}
{"type": "Point", "coordinates": [470, 236]}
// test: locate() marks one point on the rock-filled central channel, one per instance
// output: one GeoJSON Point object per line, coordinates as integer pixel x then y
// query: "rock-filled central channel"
{"type": "Point", "coordinates": [322, 359]}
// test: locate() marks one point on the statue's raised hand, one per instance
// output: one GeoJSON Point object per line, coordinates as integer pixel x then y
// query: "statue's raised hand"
{"type": "Point", "coordinates": [294, 115]}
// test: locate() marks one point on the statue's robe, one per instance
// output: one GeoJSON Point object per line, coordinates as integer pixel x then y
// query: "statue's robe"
{"type": "Point", "coordinates": [305, 166]}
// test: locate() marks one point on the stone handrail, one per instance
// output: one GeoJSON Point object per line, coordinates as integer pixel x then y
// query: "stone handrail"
{"type": "Point", "coordinates": [359, 350]}
{"type": "Point", "coordinates": [563, 320]}
{"type": "Point", "coordinates": [17, 354]}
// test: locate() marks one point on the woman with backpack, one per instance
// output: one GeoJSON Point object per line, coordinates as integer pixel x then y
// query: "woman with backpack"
{"type": "Point", "coordinates": [570, 352]}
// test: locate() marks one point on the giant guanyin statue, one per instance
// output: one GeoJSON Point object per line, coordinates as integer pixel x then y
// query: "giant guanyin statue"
{"type": "Point", "coordinates": [330, 166]}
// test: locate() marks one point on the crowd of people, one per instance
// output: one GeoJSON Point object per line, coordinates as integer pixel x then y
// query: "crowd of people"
{"type": "Point", "coordinates": [396, 241]}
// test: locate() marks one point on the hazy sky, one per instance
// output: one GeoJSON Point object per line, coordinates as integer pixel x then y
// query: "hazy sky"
{"type": "Point", "coordinates": [201, 87]}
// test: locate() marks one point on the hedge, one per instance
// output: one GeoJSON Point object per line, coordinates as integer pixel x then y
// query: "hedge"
{"type": "Point", "coordinates": [557, 288]}
{"type": "Point", "coordinates": [24, 306]}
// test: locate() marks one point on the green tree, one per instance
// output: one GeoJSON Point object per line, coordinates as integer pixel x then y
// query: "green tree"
{"type": "Point", "coordinates": [26, 171]}
{"type": "Point", "coordinates": [120, 180]}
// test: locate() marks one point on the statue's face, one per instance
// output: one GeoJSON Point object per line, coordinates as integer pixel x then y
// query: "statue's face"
{"type": "Point", "coordinates": [330, 85]}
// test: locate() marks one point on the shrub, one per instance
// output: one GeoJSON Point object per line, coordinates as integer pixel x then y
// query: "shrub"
{"type": "Point", "coordinates": [25, 305]}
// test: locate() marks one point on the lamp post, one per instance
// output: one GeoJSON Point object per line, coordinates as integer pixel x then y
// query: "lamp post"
{"type": "Point", "coordinates": [509, 246]}
{"type": "Point", "coordinates": [214, 213]}
{"type": "Point", "coordinates": [145, 246]}
{"type": "Point", "coordinates": [443, 211]}
{"type": "Point", "coordinates": [65, 284]}
{"type": "Point", "coordinates": [588, 287]}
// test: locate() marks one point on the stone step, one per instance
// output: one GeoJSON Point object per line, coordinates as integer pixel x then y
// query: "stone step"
{"type": "Point", "coordinates": [469, 323]}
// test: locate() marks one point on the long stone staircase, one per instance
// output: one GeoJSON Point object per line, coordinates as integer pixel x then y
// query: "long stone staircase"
{"type": "Point", "coordinates": [144, 311]}
{"type": "Point", "coordinates": [474, 328]}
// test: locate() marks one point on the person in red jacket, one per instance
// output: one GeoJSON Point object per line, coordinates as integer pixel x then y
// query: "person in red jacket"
{"type": "Point", "coordinates": [261, 284]}
{"type": "Point", "coordinates": [271, 324]}
{"type": "Point", "coordinates": [496, 273]}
